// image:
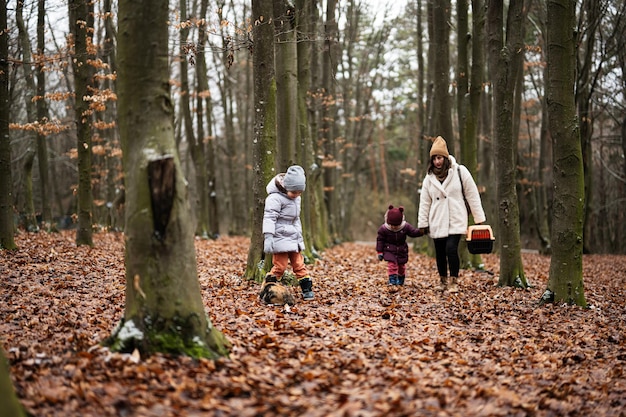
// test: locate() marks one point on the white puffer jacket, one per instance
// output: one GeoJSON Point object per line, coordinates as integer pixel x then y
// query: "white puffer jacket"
{"type": "Point", "coordinates": [442, 208]}
{"type": "Point", "coordinates": [281, 218]}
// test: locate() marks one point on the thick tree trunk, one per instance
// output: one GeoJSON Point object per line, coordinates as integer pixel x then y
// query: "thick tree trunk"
{"type": "Point", "coordinates": [441, 98]}
{"type": "Point", "coordinates": [9, 403]}
{"type": "Point", "coordinates": [472, 107]}
{"type": "Point", "coordinates": [566, 278]}
{"type": "Point", "coordinates": [286, 84]}
{"type": "Point", "coordinates": [501, 64]}
{"type": "Point", "coordinates": [164, 309]}
{"type": "Point", "coordinates": [7, 227]}
{"type": "Point", "coordinates": [264, 129]}
{"type": "Point", "coordinates": [313, 208]}
{"type": "Point", "coordinates": [81, 26]}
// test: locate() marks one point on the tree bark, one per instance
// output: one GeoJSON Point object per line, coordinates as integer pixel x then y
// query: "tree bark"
{"type": "Point", "coordinates": [330, 163]}
{"type": "Point", "coordinates": [205, 177]}
{"type": "Point", "coordinates": [441, 98]}
{"type": "Point", "coordinates": [81, 14]}
{"type": "Point", "coordinates": [313, 208]}
{"type": "Point", "coordinates": [7, 227]}
{"type": "Point", "coordinates": [9, 403]}
{"type": "Point", "coordinates": [237, 207]}
{"type": "Point", "coordinates": [42, 116]}
{"type": "Point", "coordinates": [264, 147]}
{"type": "Point", "coordinates": [27, 206]}
{"type": "Point", "coordinates": [286, 84]}
{"type": "Point", "coordinates": [472, 108]}
{"type": "Point", "coordinates": [565, 283]}
{"type": "Point", "coordinates": [501, 65]}
{"type": "Point", "coordinates": [164, 309]}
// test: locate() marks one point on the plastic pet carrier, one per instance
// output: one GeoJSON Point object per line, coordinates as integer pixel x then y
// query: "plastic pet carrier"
{"type": "Point", "coordinates": [480, 239]}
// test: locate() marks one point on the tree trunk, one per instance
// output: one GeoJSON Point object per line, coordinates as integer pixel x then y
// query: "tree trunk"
{"type": "Point", "coordinates": [462, 81]}
{"type": "Point", "coordinates": [206, 188]}
{"type": "Point", "coordinates": [81, 14]}
{"type": "Point", "coordinates": [330, 163]}
{"type": "Point", "coordinates": [207, 150]}
{"type": "Point", "coordinates": [286, 84]}
{"type": "Point", "coordinates": [194, 142]}
{"type": "Point", "coordinates": [9, 403]}
{"type": "Point", "coordinates": [441, 98]}
{"type": "Point", "coordinates": [164, 309]}
{"type": "Point", "coordinates": [237, 209]}
{"type": "Point", "coordinates": [42, 116]}
{"type": "Point", "coordinates": [264, 128]}
{"type": "Point", "coordinates": [7, 227]}
{"type": "Point", "coordinates": [544, 178]}
{"type": "Point", "coordinates": [566, 277]}
{"type": "Point", "coordinates": [313, 208]}
{"type": "Point", "coordinates": [114, 182]}
{"type": "Point", "coordinates": [27, 208]}
{"type": "Point", "coordinates": [501, 64]}
{"type": "Point", "coordinates": [472, 109]}
{"type": "Point", "coordinates": [584, 101]}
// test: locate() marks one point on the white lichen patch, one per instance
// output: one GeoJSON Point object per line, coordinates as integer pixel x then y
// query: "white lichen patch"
{"type": "Point", "coordinates": [129, 332]}
{"type": "Point", "coordinates": [198, 342]}
{"type": "Point", "coordinates": [154, 155]}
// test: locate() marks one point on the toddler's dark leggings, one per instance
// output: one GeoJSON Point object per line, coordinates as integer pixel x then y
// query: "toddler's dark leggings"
{"type": "Point", "coordinates": [447, 251]}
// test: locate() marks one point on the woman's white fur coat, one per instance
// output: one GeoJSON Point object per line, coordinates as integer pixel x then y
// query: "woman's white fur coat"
{"type": "Point", "coordinates": [442, 208]}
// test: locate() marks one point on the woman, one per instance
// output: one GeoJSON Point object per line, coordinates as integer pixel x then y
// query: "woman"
{"type": "Point", "coordinates": [443, 213]}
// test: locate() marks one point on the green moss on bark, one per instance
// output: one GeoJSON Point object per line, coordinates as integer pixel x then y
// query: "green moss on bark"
{"type": "Point", "coordinates": [175, 336]}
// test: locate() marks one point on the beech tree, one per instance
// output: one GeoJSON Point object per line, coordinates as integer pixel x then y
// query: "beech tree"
{"type": "Point", "coordinates": [9, 403]}
{"type": "Point", "coordinates": [566, 277]}
{"type": "Point", "coordinates": [264, 147]}
{"type": "Point", "coordinates": [27, 206]}
{"type": "Point", "coordinates": [164, 309]}
{"type": "Point", "coordinates": [503, 49]}
{"type": "Point", "coordinates": [81, 14]}
{"type": "Point", "coordinates": [6, 184]}
{"type": "Point", "coordinates": [42, 115]}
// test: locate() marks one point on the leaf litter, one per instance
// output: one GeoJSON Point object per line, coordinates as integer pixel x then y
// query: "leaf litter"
{"type": "Point", "coordinates": [361, 348]}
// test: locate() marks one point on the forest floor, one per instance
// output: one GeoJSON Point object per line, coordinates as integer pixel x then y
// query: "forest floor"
{"type": "Point", "coordinates": [361, 348]}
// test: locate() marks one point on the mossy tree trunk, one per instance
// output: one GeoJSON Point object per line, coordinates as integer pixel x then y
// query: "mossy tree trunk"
{"type": "Point", "coordinates": [314, 209]}
{"type": "Point", "coordinates": [164, 309]}
{"type": "Point", "coordinates": [7, 227]}
{"type": "Point", "coordinates": [81, 14]}
{"type": "Point", "coordinates": [565, 283]}
{"type": "Point", "coordinates": [502, 67]}
{"type": "Point", "coordinates": [264, 147]}
{"type": "Point", "coordinates": [9, 403]}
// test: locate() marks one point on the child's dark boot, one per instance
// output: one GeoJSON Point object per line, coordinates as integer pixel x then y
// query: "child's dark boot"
{"type": "Point", "coordinates": [307, 288]}
{"type": "Point", "coordinates": [393, 279]}
{"type": "Point", "coordinates": [401, 279]}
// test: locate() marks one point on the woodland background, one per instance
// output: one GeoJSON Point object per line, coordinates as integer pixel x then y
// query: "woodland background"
{"type": "Point", "coordinates": [376, 91]}
{"type": "Point", "coordinates": [375, 101]}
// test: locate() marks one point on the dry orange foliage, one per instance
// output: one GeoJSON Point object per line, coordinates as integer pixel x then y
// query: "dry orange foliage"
{"type": "Point", "coordinates": [360, 349]}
